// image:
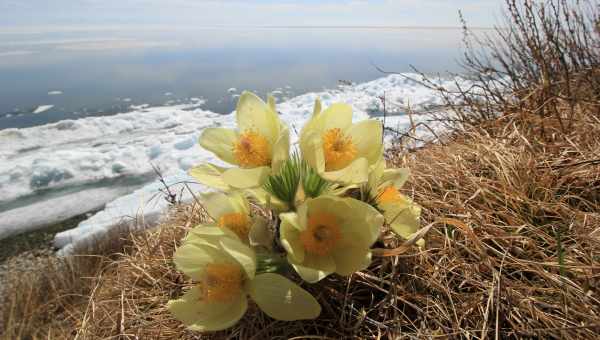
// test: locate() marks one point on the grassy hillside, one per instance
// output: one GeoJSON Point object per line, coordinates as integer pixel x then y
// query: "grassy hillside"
{"type": "Point", "coordinates": [511, 196]}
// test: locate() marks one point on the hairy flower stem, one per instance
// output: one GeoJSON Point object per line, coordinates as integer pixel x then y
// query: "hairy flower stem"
{"type": "Point", "coordinates": [271, 263]}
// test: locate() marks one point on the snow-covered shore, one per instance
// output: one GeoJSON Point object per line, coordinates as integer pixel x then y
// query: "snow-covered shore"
{"type": "Point", "coordinates": [59, 170]}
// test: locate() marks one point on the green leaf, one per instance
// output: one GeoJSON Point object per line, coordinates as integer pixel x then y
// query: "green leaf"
{"type": "Point", "coordinates": [313, 184]}
{"type": "Point", "coordinates": [284, 185]}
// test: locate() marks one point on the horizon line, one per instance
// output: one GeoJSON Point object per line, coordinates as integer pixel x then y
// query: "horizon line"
{"type": "Point", "coordinates": [16, 29]}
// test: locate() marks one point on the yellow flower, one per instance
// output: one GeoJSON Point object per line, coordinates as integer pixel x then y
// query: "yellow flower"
{"type": "Point", "coordinates": [232, 212]}
{"type": "Point", "coordinates": [328, 235]}
{"type": "Point", "coordinates": [339, 150]}
{"type": "Point", "coordinates": [224, 272]}
{"type": "Point", "coordinates": [400, 212]}
{"type": "Point", "coordinates": [257, 147]}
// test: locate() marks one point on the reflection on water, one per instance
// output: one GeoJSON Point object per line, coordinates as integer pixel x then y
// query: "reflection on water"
{"type": "Point", "coordinates": [102, 74]}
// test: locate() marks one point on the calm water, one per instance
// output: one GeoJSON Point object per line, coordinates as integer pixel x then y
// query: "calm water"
{"type": "Point", "coordinates": [100, 73]}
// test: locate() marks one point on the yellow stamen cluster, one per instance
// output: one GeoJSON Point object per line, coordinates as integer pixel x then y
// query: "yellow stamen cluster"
{"type": "Point", "coordinates": [239, 223]}
{"type": "Point", "coordinates": [338, 149]}
{"type": "Point", "coordinates": [221, 283]}
{"type": "Point", "coordinates": [252, 150]}
{"type": "Point", "coordinates": [322, 234]}
{"type": "Point", "coordinates": [389, 195]}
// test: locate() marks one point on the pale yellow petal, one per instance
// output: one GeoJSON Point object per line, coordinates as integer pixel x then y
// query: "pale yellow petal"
{"type": "Point", "coordinates": [363, 222]}
{"type": "Point", "coordinates": [309, 126]}
{"type": "Point", "coordinates": [243, 254]}
{"type": "Point", "coordinates": [290, 236]}
{"type": "Point", "coordinates": [271, 103]}
{"type": "Point", "coordinates": [396, 177]}
{"type": "Point", "coordinates": [317, 108]}
{"type": "Point", "coordinates": [338, 115]}
{"type": "Point", "coordinates": [302, 212]}
{"type": "Point", "coordinates": [330, 204]}
{"type": "Point", "coordinates": [218, 204]}
{"type": "Point", "coordinates": [210, 175]}
{"type": "Point", "coordinates": [311, 148]}
{"type": "Point", "coordinates": [355, 173]}
{"type": "Point", "coordinates": [201, 316]}
{"type": "Point", "coordinates": [281, 149]}
{"type": "Point", "coordinates": [367, 138]}
{"type": "Point", "coordinates": [349, 259]}
{"type": "Point", "coordinates": [282, 299]}
{"type": "Point", "coordinates": [313, 268]}
{"type": "Point", "coordinates": [220, 141]}
{"type": "Point", "coordinates": [192, 258]}
{"type": "Point", "coordinates": [208, 235]}
{"type": "Point", "coordinates": [246, 178]}
{"type": "Point", "coordinates": [404, 221]}
{"type": "Point", "coordinates": [254, 115]}
{"type": "Point", "coordinates": [375, 175]}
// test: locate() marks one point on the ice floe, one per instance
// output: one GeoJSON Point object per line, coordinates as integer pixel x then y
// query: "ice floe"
{"type": "Point", "coordinates": [42, 108]}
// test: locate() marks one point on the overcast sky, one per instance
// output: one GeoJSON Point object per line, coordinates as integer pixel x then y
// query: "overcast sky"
{"type": "Point", "coordinates": [19, 14]}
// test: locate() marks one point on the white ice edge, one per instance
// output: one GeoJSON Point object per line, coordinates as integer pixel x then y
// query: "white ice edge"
{"type": "Point", "coordinates": [42, 108]}
{"type": "Point", "coordinates": [95, 149]}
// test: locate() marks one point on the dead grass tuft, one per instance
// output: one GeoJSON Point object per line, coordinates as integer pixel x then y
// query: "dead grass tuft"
{"type": "Point", "coordinates": [525, 262]}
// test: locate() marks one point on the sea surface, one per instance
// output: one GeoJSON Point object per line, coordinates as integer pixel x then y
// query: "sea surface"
{"type": "Point", "coordinates": [51, 76]}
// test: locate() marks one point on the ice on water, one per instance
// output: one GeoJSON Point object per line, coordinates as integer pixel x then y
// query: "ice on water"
{"type": "Point", "coordinates": [58, 170]}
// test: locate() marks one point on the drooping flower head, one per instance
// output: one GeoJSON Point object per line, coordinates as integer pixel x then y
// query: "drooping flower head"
{"type": "Point", "coordinates": [224, 273]}
{"type": "Point", "coordinates": [256, 148]}
{"type": "Point", "coordinates": [339, 150]}
{"type": "Point", "coordinates": [400, 212]}
{"type": "Point", "coordinates": [232, 213]}
{"type": "Point", "coordinates": [328, 235]}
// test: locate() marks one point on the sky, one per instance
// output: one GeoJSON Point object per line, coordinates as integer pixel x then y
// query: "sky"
{"type": "Point", "coordinates": [18, 15]}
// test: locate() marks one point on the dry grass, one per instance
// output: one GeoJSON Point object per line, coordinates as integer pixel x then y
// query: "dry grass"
{"type": "Point", "coordinates": [523, 262]}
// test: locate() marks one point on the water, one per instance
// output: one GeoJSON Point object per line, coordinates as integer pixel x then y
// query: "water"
{"type": "Point", "coordinates": [101, 73]}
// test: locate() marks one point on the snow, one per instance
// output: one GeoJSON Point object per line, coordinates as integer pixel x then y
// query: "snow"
{"type": "Point", "coordinates": [143, 207]}
{"type": "Point", "coordinates": [91, 161]}
{"type": "Point", "coordinates": [42, 108]}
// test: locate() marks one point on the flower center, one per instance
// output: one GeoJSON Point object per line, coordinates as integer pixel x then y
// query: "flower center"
{"type": "Point", "coordinates": [239, 223]}
{"type": "Point", "coordinates": [252, 150]}
{"type": "Point", "coordinates": [391, 195]}
{"type": "Point", "coordinates": [321, 235]}
{"type": "Point", "coordinates": [338, 149]}
{"type": "Point", "coordinates": [221, 283]}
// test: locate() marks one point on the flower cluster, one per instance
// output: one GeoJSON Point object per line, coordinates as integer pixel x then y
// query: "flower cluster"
{"type": "Point", "coordinates": [315, 210]}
